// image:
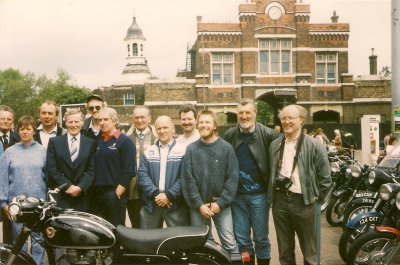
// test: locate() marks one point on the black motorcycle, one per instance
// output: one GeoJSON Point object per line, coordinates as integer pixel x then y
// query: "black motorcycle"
{"type": "Point", "coordinates": [88, 239]}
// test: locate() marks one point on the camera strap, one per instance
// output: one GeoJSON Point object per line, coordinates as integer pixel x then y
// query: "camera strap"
{"type": "Point", "coordinates": [296, 156]}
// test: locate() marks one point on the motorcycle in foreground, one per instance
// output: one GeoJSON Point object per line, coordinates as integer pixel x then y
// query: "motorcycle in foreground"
{"type": "Point", "coordinates": [88, 239]}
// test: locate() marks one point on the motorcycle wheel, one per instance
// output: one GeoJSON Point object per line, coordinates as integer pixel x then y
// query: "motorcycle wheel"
{"type": "Point", "coordinates": [334, 211]}
{"type": "Point", "coordinates": [21, 259]}
{"type": "Point", "coordinates": [327, 198]}
{"type": "Point", "coordinates": [371, 248]}
{"type": "Point", "coordinates": [347, 238]}
{"type": "Point", "coordinates": [355, 210]}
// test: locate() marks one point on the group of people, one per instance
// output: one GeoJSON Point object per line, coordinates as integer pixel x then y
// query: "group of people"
{"type": "Point", "coordinates": [158, 178]}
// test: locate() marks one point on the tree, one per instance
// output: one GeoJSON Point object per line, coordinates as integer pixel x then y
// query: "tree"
{"type": "Point", "coordinates": [265, 112]}
{"type": "Point", "coordinates": [385, 72]}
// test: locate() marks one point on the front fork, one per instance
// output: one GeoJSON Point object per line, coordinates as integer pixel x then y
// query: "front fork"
{"type": "Point", "coordinates": [19, 244]}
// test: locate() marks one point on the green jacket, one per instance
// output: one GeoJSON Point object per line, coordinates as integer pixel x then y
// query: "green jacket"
{"type": "Point", "coordinates": [314, 169]}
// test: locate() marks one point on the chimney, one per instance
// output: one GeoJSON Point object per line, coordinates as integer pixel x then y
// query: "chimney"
{"type": "Point", "coordinates": [334, 18]}
{"type": "Point", "coordinates": [373, 63]}
{"type": "Point", "coordinates": [199, 19]}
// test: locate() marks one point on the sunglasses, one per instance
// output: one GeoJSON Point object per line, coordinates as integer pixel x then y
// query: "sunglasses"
{"type": "Point", "coordinates": [91, 108]}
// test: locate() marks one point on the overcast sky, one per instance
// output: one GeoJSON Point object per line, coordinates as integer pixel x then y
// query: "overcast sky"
{"type": "Point", "coordinates": [86, 37]}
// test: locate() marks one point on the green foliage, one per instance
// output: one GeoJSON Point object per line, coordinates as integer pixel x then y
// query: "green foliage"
{"type": "Point", "coordinates": [24, 93]}
{"type": "Point", "coordinates": [385, 72]}
{"type": "Point", "coordinates": [265, 113]}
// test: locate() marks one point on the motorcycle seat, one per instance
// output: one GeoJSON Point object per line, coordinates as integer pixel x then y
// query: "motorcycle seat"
{"type": "Point", "coordinates": [163, 240]}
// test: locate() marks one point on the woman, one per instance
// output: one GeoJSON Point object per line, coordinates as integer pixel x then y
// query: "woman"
{"type": "Point", "coordinates": [22, 168]}
{"type": "Point", "coordinates": [321, 137]}
{"type": "Point", "coordinates": [337, 141]}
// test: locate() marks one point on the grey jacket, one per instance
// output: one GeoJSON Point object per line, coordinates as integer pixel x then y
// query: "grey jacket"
{"type": "Point", "coordinates": [314, 169]}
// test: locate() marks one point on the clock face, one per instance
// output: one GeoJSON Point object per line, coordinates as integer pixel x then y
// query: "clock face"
{"type": "Point", "coordinates": [275, 13]}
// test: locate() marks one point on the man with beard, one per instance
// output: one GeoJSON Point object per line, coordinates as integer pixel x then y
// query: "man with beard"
{"type": "Point", "coordinates": [210, 174]}
{"type": "Point", "coordinates": [48, 126]}
{"type": "Point", "coordinates": [251, 142]}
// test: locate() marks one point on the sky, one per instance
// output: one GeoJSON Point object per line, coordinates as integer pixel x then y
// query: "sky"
{"type": "Point", "coordinates": [86, 37]}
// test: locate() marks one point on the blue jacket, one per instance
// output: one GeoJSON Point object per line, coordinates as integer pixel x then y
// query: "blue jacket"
{"type": "Point", "coordinates": [149, 175]}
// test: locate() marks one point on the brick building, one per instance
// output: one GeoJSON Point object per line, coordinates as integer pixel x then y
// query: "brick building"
{"type": "Point", "coordinates": [273, 54]}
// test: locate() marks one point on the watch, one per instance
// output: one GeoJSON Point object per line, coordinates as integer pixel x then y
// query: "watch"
{"type": "Point", "coordinates": [275, 13]}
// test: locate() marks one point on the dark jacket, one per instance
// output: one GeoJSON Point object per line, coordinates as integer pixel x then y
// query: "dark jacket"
{"type": "Point", "coordinates": [60, 131]}
{"type": "Point", "coordinates": [60, 168]}
{"type": "Point", "coordinates": [258, 145]}
{"type": "Point", "coordinates": [86, 131]}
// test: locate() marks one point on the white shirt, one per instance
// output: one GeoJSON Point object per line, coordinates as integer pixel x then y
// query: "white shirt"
{"type": "Point", "coordinates": [182, 139]}
{"type": "Point", "coordinates": [164, 150]}
{"type": "Point", "coordinates": [45, 136]}
{"type": "Point", "coordinates": [287, 164]}
{"type": "Point", "coordinates": [78, 141]}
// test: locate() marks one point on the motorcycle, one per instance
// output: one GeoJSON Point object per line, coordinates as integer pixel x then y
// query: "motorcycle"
{"type": "Point", "coordinates": [380, 246]}
{"type": "Point", "coordinates": [88, 239]}
{"type": "Point", "coordinates": [382, 213]}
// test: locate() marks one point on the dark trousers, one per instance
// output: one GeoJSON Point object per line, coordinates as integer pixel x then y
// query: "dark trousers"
{"type": "Point", "coordinates": [7, 231]}
{"type": "Point", "coordinates": [292, 217]}
{"type": "Point", "coordinates": [105, 203]}
{"type": "Point", "coordinates": [134, 207]}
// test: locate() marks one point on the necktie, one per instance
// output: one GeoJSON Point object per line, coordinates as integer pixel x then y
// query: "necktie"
{"type": "Point", "coordinates": [5, 139]}
{"type": "Point", "coordinates": [74, 149]}
{"type": "Point", "coordinates": [141, 135]}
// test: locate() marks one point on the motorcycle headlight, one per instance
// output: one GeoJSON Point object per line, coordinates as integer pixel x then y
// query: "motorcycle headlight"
{"type": "Point", "coordinates": [384, 191]}
{"type": "Point", "coordinates": [14, 208]}
{"type": "Point", "coordinates": [335, 167]}
{"type": "Point", "coordinates": [371, 177]}
{"type": "Point", "coordinates": [398, 200]}
{"type": "Point", "coordinates": [355, 171]}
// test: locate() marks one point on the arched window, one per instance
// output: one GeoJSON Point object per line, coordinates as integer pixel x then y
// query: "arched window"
{"type": "Point", "coordinates": [134, 49]}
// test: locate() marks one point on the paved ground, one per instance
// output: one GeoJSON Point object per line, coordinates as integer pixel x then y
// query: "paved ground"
{"type": "Point", "coordinates": [329, 244]}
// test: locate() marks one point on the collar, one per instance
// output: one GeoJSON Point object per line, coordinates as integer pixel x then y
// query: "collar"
{"type": "Point", "coordinates": [295, 139]}
{"type": "Point", "coordinates": [145, 131]}
{"type": "Point", "coordinates": [251, 130]}
{"type": "Point", "coordinates": [69, 137]}
{"type": "Point", "coordinates": [7, 133]}
{"type": "Point", "coordinates": [115, 135]}
{"type": "Point", "coordinates": [168, 145]}
{"type": "Point", "coordinates": [54, 130]}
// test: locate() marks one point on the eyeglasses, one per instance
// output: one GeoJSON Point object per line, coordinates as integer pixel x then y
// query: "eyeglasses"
{"type": "Point", "coordinates": [289, 118]}
{"type": "Point", "coordinates": [91, 108]}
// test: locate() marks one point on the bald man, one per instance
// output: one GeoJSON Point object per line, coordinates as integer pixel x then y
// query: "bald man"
{"type": "Point", "coordinates": [159, 177]}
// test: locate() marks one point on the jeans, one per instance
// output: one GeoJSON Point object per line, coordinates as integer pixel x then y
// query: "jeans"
{"type": "Point", "coordinates": [36, 241]}
{"type": "Point", "coordinates": [250, 211]}
{"type": "Point", "coordinates": [292, 217]}
{"type": "Point", "coordinates": [224, 224]}
{"type": "Point", "coordinates": [152, 220]}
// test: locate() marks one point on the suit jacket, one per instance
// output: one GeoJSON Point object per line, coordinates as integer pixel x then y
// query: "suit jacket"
{"type": "Point", "coordinates": [60, 169]}
{"type": "Point", "coordinates": [14, 138]}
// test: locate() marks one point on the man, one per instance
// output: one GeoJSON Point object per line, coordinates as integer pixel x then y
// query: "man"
{"type": "Point", "coordinates": [70, 159]}
{"type": "Point", "coordinates": [159, 178]}
{"type": "Point", "coordinates": [48, 127]}
{"type": "Point", "coordinates": [188, 124]}
{"type": "Point", "coordinates": [8, 138]}
{"type": "Point", "coordinates": [210, 174]}
{"type": "Point", "coordinates": [91, 126]}
{"type": "Point", "coordinates": [277, 128]}
{"type": "Point", "coordinates": [114, 168]}
{"type": "Point", "coordinates": [300, 174]}
{"type": "Point", "coordinates": [251, 142]}
{"type": "Point", "coordinates": [143, 136]}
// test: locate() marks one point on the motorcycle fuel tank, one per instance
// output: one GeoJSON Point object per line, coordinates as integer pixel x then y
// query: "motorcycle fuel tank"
{"type": "Point", "coordinates": [79, 230]}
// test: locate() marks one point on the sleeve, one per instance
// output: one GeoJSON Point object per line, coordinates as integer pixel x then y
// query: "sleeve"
{"type": "Point", "coordinates": [231, 180]}
{"type": "Point", "coordinates": [88, 177]}
{"type": "Point", "coordinates": [190, 189]}
{"type": "Point", "coordinates": [144, 180]}
{"type": "Point", "coordinates": [175, 191]}
{"type": "Point", "coordinates": [128, 158]}
{"type": "Point", "coordinates": [4, 182]}
{"type": "Point", "coordinates": [323, 169]}
{"type": "Point", "coordinates": [54, 176]}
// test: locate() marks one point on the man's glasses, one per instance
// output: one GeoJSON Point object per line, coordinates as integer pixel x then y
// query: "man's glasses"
{"type": "Point", "coordinates": [91, 108]}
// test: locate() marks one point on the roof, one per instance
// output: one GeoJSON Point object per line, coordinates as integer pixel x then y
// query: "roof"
{"type": "Point", "coordinates": [134, 31]}
{"type": "Point", "coordinates": [331, 27]}
{"type": "Point", "coordinates": [247, 8]}
{"type": "Point", "coordinates": [218, 27]}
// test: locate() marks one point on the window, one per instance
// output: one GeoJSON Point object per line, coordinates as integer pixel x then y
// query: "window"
{"type": "Point", "coordinates": [129, 99]}
{"type": "Point", "coordinates": [326, 64]}
{"type": "Point", "coordinates": [222, 68]}
{"type": "Point", "coordinates": [134, 49]}
{"type": "Point", "coordinates": [275, 56]}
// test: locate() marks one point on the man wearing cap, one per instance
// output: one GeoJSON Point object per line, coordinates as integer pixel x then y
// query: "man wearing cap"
{"type": "Point", "coordinates": [91, 127]}
{"type": "Point", "coordinates": [48, 126]}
